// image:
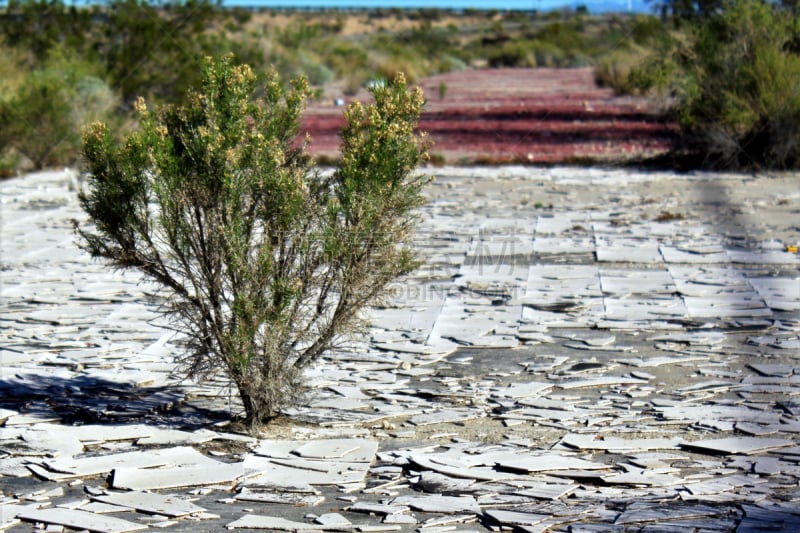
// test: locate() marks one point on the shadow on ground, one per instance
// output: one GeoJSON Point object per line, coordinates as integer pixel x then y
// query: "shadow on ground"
{"type": "Point", "coordinates": [91, 400]}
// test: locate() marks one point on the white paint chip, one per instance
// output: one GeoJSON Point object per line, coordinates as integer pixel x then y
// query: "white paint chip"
{"type": "Point", "coordinates": [254, 521]}
{"type": "Point", "coordinates": [169, 478]}
{"type": "Point", "coordinates": [738, 445]}
{"type": "Point", "coordinates": [78, 519]}
{"type": "Point", "coordinates": [150, 502]}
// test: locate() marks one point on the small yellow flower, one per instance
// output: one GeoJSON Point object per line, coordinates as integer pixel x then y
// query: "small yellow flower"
{"type": "Point", "coordinates": [140, 106]}
{"type": "Point", "coordinates": [232, 157]}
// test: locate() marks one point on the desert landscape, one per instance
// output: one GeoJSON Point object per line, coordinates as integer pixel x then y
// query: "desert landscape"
{"type": "Point", "coordinates": [591, 340]}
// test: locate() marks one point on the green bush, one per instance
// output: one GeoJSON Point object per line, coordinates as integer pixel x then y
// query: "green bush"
{"type": "Point", "coordinates": [614, 71]}
{"type": "Point", "coordinates": [265, 264]}
{"type": "Point", "coordinates": [740, 100]}
{"type": "Point", "coordinates": [15, 65]}
{"type": "Point", "coordinates": [38, 119]}
{"type": "Point", "coordinates": [511, 54]}
{"type": "Point", "coordinates": [637, 71]}
{"type": "Point", "coordinates": [41, 25]}
{"type": "Point", "coordinates": [41, 119]}
{"type": "Point", "coordinates": [547, 54]}
{"type": "Point", "coordinates": [148, 51]}
{"type": "Point", "coordinates": [9, 163]}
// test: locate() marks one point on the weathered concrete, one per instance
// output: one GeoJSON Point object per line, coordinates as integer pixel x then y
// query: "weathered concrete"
{"type": "Point", "coordinates": [583, 348]}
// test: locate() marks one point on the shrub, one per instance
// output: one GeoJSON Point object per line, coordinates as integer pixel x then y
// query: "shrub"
{"type": "Point", "coordinates": [10, 163]}
{"type": "Point", "coordinates": [265, 263]}
{"type": "Point", "coordinates": [155, 48]}
{"type": "Point", "coordinates": [38, 119]}
{"type": "Point", "coordinates": [636, 71]}
{"type": "Point", "coordinates": [547, 54]}
{"type": "Point", "coordinates": [645, 59]}
{"type": "Point", "coordinates": [740, 102]}
{"type": "Point", "coordinates": [511, 54]}
{"type": "Point", "coordinates": [614, 71]}
{"type": "Point", "coordinates": [387, 68]}
{"type": "Point", "coordinates": [13, 70]}
{"type": "Point", "coordinates": [40, 25]}
{"type": "Point", "coordinates": [41, 119]}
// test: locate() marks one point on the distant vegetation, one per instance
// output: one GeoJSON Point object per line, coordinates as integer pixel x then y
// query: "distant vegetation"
{"type": "Point", "coordinates": [62, 66]}
{"type": "Point", "coordinates": [729, 72]}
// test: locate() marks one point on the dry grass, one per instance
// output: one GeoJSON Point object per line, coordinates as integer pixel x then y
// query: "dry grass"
{"type": "Point", "coordinates": [360, 22]}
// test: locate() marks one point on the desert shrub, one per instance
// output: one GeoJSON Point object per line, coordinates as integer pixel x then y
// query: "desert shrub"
{"type": "Point", "coordinates": [92, 100]}
{"type": "Point", "coordinates": [37, 120]}
{"type": "Point", "coordinates": [643, 59]}
{"type": "Point", "coordinates": [740, 101]}
{"type": "Point", "coordinates": [144, 48]}
{"type": "Point", "coordinates": [657, 74]}
{"type": "Point", "coordinates": [40, 25]}
{"type": "Point", "coordinates": [41, 119]}
{"type": "Point", "coordinates": [317, 73]}
{"type": "Point", "coordinates": [635, 71]}
{"type": "Point", "coordinates": [9, 163]}
{"type": "Point", "coordinates": [646, 29]}
{"type": "Point", "coordinates": [546, 54]}
{"type": "Point", "coordinates": [298, 34]}
{"type": "Point", "coordinates": [426, 38]}
{"type": "Point", "coordinates": [449, 63]}
{"type": "Point", "coordinates": [578, 60]}
{"type": "Point", "coordinates": [567, 36]}
{"type": "Point", "coordinates": [150, 51]}
{"type": "Point", "coordinates": [510, 54]}
{"type": "Point", "coordinates": [265, 263]}
{"type": "Point", "coordinates": [155, 49]}
{"type": "Point", "coordinates": [386, 68]}
{"type": "Point", "coordinates": [354, 83]}
{"type": "Point", "coordinates": [689, 11]}
{"type": "Point", "coordinates": [345, 58]}
{"type": "Point", "coordinates": [13, 69]}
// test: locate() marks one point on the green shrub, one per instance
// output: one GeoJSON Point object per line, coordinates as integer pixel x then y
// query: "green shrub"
{"type": "Point", "coordinates": [41, 119]}
{"type": "Point", "coordinates": [38, 119]}
{"type": "Point", "coordinates": [41, 25]}
{"type": "Point", "coordinates": [645, 59]}
{"type": "Point", "coordinates": [511, 54]}
{"type": "Point", "coordinates": [578, 60]}
{"type": "Point", "coordinates": [635, 71]}
{"type": "Point", "coordinates": [740, 102]}
{"type": "Point", "coordinates": [265, 263]}
{"type": "Point", "coordinates": [645, 30]}
{"type": "Point", "coordinates": [13, 69]}
{"type": "Point", "coordinates": [155, 49]}
{"type": "Point", "coordinates": [546, 54]}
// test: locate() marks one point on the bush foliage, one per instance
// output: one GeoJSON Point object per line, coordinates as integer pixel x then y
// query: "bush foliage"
{"type": "Point", "coordinates": [740, 101]}
{"type": "Point", "coordinates": [731, 77]}
{"type": "Point", "coordinates": [41, 117]}
{"type": "Point", "coordinates": [264, 262]}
